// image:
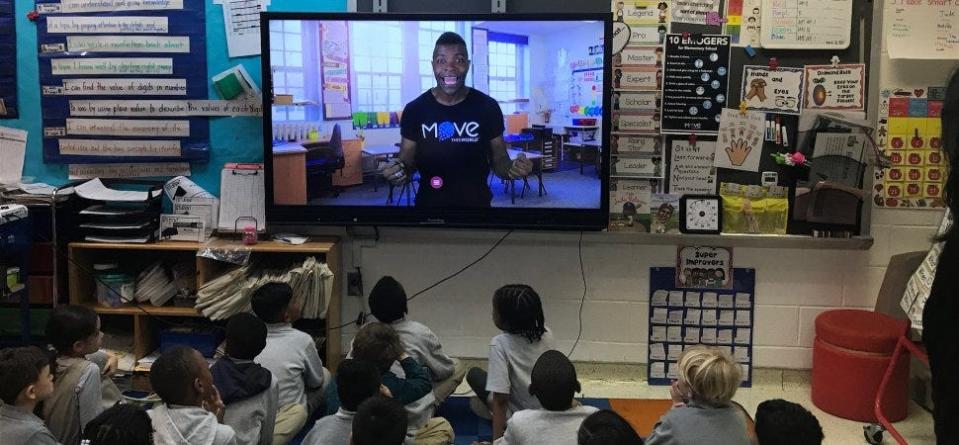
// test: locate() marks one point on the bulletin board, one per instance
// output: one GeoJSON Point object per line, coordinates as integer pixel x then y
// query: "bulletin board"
{"type": "Point", "coordinates": [862, 12]}
{"type": "Point", "coordinates": [680, 318]}
{"type": "Point", "coordinates": [8, 61]}
{"type": "Point", "coordinates": [135, 57]}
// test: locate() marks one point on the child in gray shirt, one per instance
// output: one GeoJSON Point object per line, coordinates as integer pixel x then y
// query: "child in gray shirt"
{"type": "Point", "coordinates": [702, 412]}
{"type": "Point", "coordinates": [554, 383]}
{"type": "Point", "coordinates": [26, 377]}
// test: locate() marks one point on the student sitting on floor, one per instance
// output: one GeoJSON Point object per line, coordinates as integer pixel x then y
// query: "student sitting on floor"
{"type": "Point", "coordinates": [248, 390]}
{"type": "Point", "coordinates": [379, 421]}
{"type": "Point", "coordinates": [192, 412]}
{"type": "Point", "coordinates": [291, 357]}
{"type": "Point", "coordinates": [82, 372]}
{"type": "Point", "coordinates": [388, 304]}
{"type": "Point", "coordinates": [781, 422]}
{"type": "Point", "coordinates": [554, 384]}
{"type": "Point", "coordinates": [378, 343]}
{"type": "Point", "coordinates": [355, 381]}
{"type": "Point", "coordinates": [27, 380]}
{"type": "Point", "coordinates": [518, 312]}
{"type": "Point", "coordinates": [702, 413]}
{"type": "Point", "coordinates": [121, 424]}
{"type": "Point", "coordinates": [605, 427]}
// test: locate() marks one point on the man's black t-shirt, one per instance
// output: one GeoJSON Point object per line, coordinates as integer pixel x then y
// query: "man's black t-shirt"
{"type": "Point", "coordinates": [452, 148]}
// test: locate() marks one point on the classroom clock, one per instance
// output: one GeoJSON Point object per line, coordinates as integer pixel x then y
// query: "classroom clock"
{"type": "Point", "coordinates": [701, 214]}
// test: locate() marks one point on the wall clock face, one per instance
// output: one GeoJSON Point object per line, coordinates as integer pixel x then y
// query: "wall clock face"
{"type": "Point", "coordinates": [701, 214]}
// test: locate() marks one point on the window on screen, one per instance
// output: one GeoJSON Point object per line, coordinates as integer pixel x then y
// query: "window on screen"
{"type": "Point", "coordinates": [377, 66]}
{"type": "Point", "coordinates": [427, 34]}
{"type": "Point", "coordinates": [286, 58]}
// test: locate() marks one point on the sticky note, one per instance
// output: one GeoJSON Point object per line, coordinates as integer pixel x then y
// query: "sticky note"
{"type": "Point", "coordinates": [708, 336]}
{"type": "Point", "coordinates": [659, 298]}
{"type": "Point", "coordinates": [674, 352]}
{"type": "Point", "coordinates": [692, 316]}
{"type": "Point", "coordinates": [657, 370]}
{"type": "Point", "coordinates": [709, 317]}
{"type": "Point", "coordinates": [657, 351]}
{"type": "Point", "coordinates": [727, 318]}
{"type": "Point", "coordinates": [743, 318]}
{"type": "Point", "coordinates": [691, 335]}
{"type": "Point", "coordinates": [676, 317]}
{"type": "Point", "coordinates": [743, 299]}
{"type": "Point", "coordinates": [676, 298]}
{"type": "Point", "coordinates": [709, 299]}
{"type": "Point", "coordinates": [672, 371]}
{"type": "Point", "coordinates": [724, 336]}
{"type": "Point", "coordinates": [725, 301]}
{"type": "Point", "coordinates": [692, 299]}
{"type": "Point", "coordinates": [742, 336]}
{"type": "Point", "coordinates": [674, 334]}
{"type": "Point", "coordinates": [659, 315]}
{"type": "Point", "coordinates": [229, 86]}
{"type": "Point", "coordinates": [658, 333]}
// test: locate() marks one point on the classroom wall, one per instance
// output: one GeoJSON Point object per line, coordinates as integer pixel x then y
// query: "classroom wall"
{"type": "Point", "coordinates": [231, 139]}
{"type": "Point", "coordinates": [793, 285]}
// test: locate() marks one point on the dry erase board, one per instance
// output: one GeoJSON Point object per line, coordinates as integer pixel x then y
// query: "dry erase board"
{"type": "Point", "coordinates": [806, 24]}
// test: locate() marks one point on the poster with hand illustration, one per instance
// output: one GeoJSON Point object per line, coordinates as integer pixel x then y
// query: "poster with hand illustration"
{"type": "Point", "coordinates": [774, 91]}
{"type": "Point", "coordinates": [740, 143]}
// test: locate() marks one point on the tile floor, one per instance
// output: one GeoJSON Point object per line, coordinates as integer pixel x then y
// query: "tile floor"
{"type": "Point", "coordinates": [629, 381]}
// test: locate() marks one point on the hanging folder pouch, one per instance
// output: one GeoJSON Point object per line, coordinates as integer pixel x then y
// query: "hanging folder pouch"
{"type": "Point", "coordinates": [242, 196]}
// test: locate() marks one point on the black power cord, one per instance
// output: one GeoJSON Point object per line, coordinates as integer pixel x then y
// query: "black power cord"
{"type": "Point", "coordinates": [447, 278]}
{"type": "Point", "coordinates": [582, 301]}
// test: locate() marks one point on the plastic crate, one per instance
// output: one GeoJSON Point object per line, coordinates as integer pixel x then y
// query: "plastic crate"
{"type": "Point", "coordinates": [204, 341]}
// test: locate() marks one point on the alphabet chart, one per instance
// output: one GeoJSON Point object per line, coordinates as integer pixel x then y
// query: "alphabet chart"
{"type": "Point", "coordinates": [682, 318]}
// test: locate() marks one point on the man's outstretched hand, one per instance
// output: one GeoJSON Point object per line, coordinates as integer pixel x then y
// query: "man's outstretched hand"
{"type": "Point", "coordinates": [394, 172]}
{"type": "Point", "coordinates": [521, 167]}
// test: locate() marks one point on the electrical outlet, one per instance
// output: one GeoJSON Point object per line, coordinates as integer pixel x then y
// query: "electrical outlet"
{"type": "Point", "coordinates": [354, 284]}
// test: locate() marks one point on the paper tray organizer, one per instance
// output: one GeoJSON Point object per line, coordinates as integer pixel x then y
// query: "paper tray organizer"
{"type": "Point", "coordinates": [129, 220]}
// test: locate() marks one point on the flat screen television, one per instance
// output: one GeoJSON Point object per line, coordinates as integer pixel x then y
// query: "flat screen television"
{"type": "Point", "coordinates": [501, 124]}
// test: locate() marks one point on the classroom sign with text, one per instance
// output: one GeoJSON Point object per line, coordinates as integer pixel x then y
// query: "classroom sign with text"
{"type": "Point", "coordinates": [695, 82]}
{"type": "Point", "coordinates": [704, 267]}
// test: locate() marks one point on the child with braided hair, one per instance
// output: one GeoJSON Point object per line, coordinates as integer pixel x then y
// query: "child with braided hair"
{"type": "Point", "coordinates": [504, 389]}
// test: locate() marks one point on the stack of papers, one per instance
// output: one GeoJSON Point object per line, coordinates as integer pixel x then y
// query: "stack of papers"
{"type": "Point", "coordinates": [311, 280]}
{"type": "Point", "coordinates": [154, 285]}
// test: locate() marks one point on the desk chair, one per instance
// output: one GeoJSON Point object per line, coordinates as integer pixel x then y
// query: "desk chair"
{"type": "Point", "coordinates": [323, 159]}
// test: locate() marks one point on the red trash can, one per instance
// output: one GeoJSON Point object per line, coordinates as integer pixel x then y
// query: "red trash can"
{"type": "Point", "coordinates": [851, 352]}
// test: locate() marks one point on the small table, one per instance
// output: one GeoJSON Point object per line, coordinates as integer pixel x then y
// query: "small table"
{"type": "Point", "coordinates": [537, 160]}
{"type": "Point", "coordinates": [384, 152]}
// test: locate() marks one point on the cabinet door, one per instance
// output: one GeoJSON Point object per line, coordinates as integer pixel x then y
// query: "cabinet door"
{"type": "Point", "coordinates": [352, 172]}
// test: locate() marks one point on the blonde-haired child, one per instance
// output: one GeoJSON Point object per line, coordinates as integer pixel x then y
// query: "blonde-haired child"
{"type": "Point", "coordinates": [702, 413]}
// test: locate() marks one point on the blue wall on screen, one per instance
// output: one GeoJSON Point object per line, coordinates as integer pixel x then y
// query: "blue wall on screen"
{"type": "Point", "coordinates": [232, 139]}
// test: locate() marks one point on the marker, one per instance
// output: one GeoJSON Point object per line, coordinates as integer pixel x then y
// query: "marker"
{"type": "Point", "coordinates": [785, 138]}
{"type": "Point", "coordinates": [778, 132]}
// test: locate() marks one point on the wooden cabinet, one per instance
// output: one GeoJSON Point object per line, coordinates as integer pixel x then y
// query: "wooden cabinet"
{"type": "Point", "coordinates": [352, 171]}
{"type": "Point", "coordinates": [146, 317]}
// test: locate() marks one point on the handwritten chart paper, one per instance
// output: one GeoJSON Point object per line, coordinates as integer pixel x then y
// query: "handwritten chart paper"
{"type": "Point", "coordinates": [104, 59]}
{"type": "Point", "coordinates": [841, 87]}
{"type": "Point", "coordinates": [806, 24]}
{"type": "Point", "coordinates": [922, 29]}
{"type": "Point", "coordinates": [691, 168]}
{"type": "Point", "coordinates": [13, 149]}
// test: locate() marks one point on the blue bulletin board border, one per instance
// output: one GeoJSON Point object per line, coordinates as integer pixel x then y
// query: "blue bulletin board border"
{"type": "Point", "coordinates": [192, 66]}
{"type": "Point", "coordinates": [664, 279]}
{"type": "Point", "coordinates": [8, 60]}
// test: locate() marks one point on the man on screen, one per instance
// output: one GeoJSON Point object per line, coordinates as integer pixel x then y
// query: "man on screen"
{"type": "Point", "coordinates": [453, 134]}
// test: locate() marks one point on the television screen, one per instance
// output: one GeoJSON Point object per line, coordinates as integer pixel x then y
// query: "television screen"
{"type": "Point", "coordinates": [464, 120]}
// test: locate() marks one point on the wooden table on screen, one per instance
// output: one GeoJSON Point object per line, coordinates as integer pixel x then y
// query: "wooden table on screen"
{"type": "Point", "coordinates": [289, 174]}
